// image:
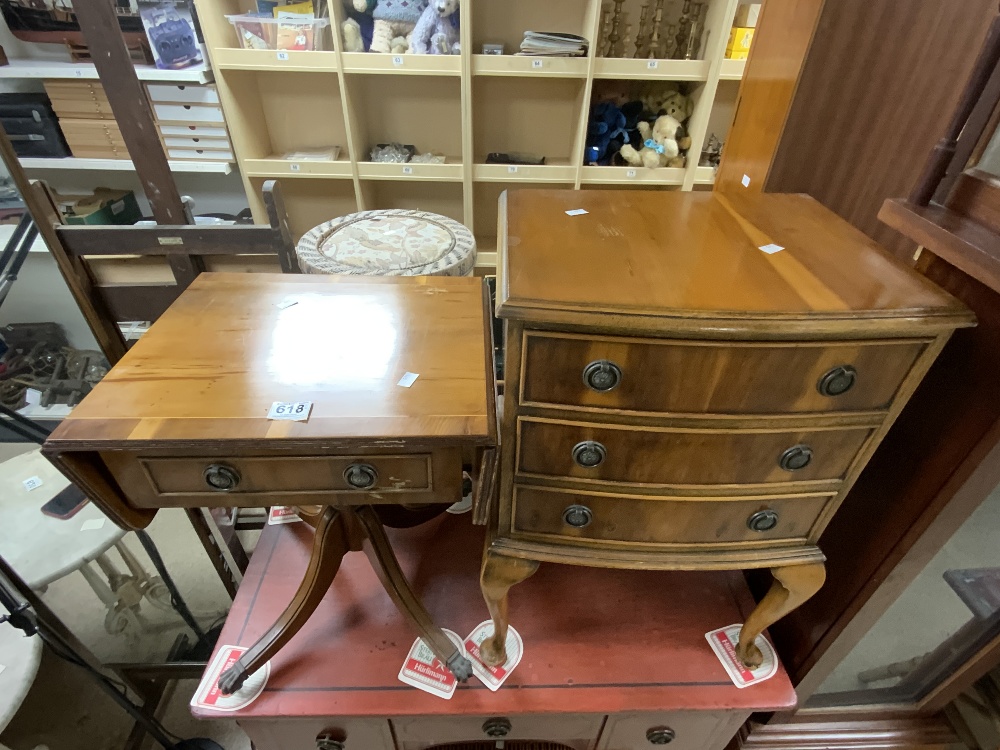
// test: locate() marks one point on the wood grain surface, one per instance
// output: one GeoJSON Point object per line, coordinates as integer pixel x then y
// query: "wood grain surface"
{"type": "Point", "coordinates": [209, 369]}
{"type": "Point", "coordinates": [345, 660]}
{"type": "Point", "coordinates": [677, 262]}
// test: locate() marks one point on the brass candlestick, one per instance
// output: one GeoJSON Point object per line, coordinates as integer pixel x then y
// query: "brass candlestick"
{"type": "Point", "coordinates": [642, 39]}
{"type": "Point", "coordinates": [615, 46]}
{"type": "Point", "coordinates": [654, 37]}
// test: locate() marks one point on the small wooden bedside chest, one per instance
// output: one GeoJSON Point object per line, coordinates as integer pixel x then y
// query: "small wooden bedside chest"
{"type": "Point", "coordinates": [693, 381]}
{"type": "Point", "coordinates": [182, 419]}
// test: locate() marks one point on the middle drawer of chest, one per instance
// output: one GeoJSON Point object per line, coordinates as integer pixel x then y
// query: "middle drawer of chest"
{"type": "Point", "coordinates": [681, 457]}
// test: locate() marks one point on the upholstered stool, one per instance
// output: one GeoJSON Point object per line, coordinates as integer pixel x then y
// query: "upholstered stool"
{"type": "Point", "coordinates": [394, 242]}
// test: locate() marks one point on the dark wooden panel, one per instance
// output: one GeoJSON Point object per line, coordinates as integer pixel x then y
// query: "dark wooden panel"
{"type": "Point", "coordinates": [913, 475]}
{"type": "Point", "coordinates": [874, 96]}
{"type": "Point", "coordinates": [138, 302]}
{"type": "Point", "coordinates": [161, 240]}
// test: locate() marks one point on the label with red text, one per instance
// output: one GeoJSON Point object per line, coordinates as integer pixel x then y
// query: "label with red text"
{"type": "Point", "coordinates": [282, 514]}
{"type": "Point", "coordinates": [424, 671]}
{"type": "Point", "coordinates": [208, 694]}
{"type": "Point", "coordinates": [493, 677]}
{"type": "Point", "coordinates": [723, 642]}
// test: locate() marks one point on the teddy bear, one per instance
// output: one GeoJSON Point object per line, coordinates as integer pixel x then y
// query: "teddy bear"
{"type": "Point", "coordinates": [605, 133]}
{"type": "Point", "coordinates": [394, 22]}
{"type": "Point", "coordinates": [660, 145]}
{"type": "Point", "coordinates": [666, 99]}
{"type": "Point", "coordinates": [435, 32]}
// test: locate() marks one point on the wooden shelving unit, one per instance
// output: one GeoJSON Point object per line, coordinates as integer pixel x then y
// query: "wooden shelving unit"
{"type": "Point", "coordinates": [462, 106]}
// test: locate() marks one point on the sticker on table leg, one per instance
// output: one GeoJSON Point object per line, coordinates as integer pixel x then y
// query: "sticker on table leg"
{"type": "Point", "coordinates": [208, 694]}
{"type": "Point", "coordinates": [723, 642]}
{"type": "Point", "coordinates": [282, 514]}
{"type": "Point", "coordinates": [493, 677]}
{"type": "Point", "coordinates": [423, 670]}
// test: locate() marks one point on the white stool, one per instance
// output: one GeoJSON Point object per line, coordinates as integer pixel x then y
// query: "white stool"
{"type": "Point", "coordinates": [394, 242]}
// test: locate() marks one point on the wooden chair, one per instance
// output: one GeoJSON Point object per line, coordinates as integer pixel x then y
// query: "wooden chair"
{"type": "Point", "coordinates": [83, 254]}
{"type": "Point", "coordinates": [186, 250]}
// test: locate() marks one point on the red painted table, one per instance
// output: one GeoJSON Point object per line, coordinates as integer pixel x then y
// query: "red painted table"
{"type": "Point", "coordinates": [608, 655]}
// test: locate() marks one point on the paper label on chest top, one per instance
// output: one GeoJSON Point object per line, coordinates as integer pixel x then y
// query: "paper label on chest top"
{"type": "Point", "coordinates": [208, 694]}
{"type": "Point", "coordinates": [295, 411]}
{"type": "Point", "coordinates": [493, 677]}
{"type": "Point", "coordinates": [424, 671]}
{"type": "Point", "coordinates": [723, 642]}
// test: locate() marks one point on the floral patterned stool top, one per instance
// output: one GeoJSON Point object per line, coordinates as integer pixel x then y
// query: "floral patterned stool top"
{"type": "Point", "coordinates": [394, 242]}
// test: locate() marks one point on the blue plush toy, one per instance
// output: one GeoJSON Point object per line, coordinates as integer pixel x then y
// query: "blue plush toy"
{"type": "Point", "coordinates": [605, 133]}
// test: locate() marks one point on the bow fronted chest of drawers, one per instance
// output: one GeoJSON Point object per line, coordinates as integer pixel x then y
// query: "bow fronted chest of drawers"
{"type": "Point", "coordinates": [693, 381]}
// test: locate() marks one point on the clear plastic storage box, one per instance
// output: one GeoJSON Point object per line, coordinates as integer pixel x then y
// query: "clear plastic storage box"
{"type": "Point", "coordinates": [264, 32]}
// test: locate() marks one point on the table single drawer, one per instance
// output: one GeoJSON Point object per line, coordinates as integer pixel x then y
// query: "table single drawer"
{"type": "Point", "coordinates": [650, 375]}
{"type": "Point", "coordinates": [642, 455]}
{"type": "Point", "coordinates": [152, 482]}
{"type": "Point", "coordinates": [682, 730]}
{"type": "Point", "coordinates": [576, 731]}
{"type": "Point", "coordinates": [660, 520]}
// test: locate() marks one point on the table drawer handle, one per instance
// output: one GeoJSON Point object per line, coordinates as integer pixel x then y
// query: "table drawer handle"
{"type": "Point", "coordinates": [837, 381]}
{"type": "Point", "coordinates": [578, 516]}
{"type": "Point", "coordinates": [763, 520]}
{"type": "Point", "coordinates": [602, 375]}
{"type": "Point", "coordinates": [589, 454]}
{"type": "Point", "coordinates": [222, 478]}
{"type": "Point", "coordinates": [795, 458]}
{"type": "Point", "coordinates": [496, 727]}
{"type": "Point", "coordinates": [660, 735]}
{"type": "Point", "coordinates": [331, 739]}
{"type": "Point", "coordinates": [361, 476]}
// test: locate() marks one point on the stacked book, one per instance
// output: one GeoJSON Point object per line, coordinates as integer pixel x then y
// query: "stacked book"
{"type": "Point", "coordinates": [553, 44]}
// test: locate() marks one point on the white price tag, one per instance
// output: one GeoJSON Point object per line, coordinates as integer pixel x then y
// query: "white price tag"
{"type": "Point", "coordinates": [407, 170]}
{"type": "Point", "coordinates": [282, 55]}
{"type": "Point", "coordinates": [771, 249]}
{"type": "Point", "coordinates": [746, 180]}
{"type": "Point", "coordinates": [631, 173]}
{"type": "Point", "coordinates": [295, 167]}
{"type": "Point", "coordinates": [512, 169]}
{"type": "Point", "coordinates": [653, 64]}
{"type": "Point", "coordinates": [78, 73]}
{"type": "Point", "coordinates": [285, 304]}
{"type": "Point", "coordinates": [577, 212]}
{"type": "Point", "coordinates": [295, 411]}
{"type": "Point", "coordinates": [537, 64]}
{"type": "Point", "coordinates": [408, 379]}
{"type": "Point", "coordinates": [397, 60]}
{"type": "Point", "coordinates": [32, 396]}
{"type": "Point", "coordinates": [94, 524]}
{"type": "Point", "coordinates": [32, 483]}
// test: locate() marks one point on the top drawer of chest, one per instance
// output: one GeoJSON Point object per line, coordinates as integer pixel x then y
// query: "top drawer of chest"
{"type": "Point", "coordinates": [693, 377]}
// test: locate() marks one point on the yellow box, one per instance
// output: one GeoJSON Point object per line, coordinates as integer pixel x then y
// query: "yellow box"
{"type": "Point", "coordinates": [739, 43]}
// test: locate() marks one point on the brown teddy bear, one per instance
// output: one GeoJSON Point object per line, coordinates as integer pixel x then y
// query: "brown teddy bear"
{"type": "Point", "coordinates": [661, 147]}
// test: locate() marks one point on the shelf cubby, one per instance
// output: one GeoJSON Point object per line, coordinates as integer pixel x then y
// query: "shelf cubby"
{"type": "Point", "coordinates": [505, 21]}
{"type": "Point", "coordinates": [534, 116]}
{"type": "Point", "coordinates": [437, 197]}
{"type": "Point", "coordinates": [422, 111]}
{"type": "Point", "coordinates": [311, 202]}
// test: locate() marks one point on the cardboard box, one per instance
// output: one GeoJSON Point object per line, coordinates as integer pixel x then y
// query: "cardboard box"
{"type": "Point", "coordinates": [746, 15]}
{"type": "Point", "coordinates": [739, 43]}
{"type": "Point", "coordinates": [105, 206]}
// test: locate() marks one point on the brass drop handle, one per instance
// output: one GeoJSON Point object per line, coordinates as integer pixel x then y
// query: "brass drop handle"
{"type": "Point", "coordinates": [331, 739]}
{"type": "Point", "coordinates": [795, 458]}
{"type": "Point", "coordinates": [837, 381]}
{"type": "Point", "coordinates": [221, 478]}
{"type": "Point", "coordinates": [497, 727]}
{"type": "Point", "coordinates": [660, 735]}
{"type": "Point", "coordinates": [361, 476]}
{"type": "Point", "coordinates": [578, 516]}
{"type": "Point", "coordinates": [602, 375]}
{"type": "Point", "coordinates": [763, 520]}
{"type": "Point", "coordinates": [589, 454]}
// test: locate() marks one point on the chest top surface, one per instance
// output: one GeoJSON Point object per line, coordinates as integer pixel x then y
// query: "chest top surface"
{"type": "Point", "coordinates": [659, 260]}
{"type": "Point", "coordinates": [234, 343]}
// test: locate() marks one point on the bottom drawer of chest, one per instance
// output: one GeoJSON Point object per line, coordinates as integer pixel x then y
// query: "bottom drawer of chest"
{"type": "Point", "coordinates": [572, 515]}
{"type": "Point", "coordinates": [259, 481]}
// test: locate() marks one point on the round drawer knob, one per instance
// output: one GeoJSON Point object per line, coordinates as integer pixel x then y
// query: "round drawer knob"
{"type": "Point", "coordinates": [795, 458]}
{"type": "Point", "coordinates": [602, 375]}
{"type": "Point", "coordinates": [589, 454]}
{"type": "Point", "coordinates": [837, 381]}
{"type": "Point", "coordinates": [660, 735]}
{"type": "Point", "coordinates": [361, 476]}
{"type": "Point", "coordinates": [496, 727]}
{"type": "Point", "coordinates": [578, 516]}
{"type": "Point", "coordinates": [221, 478]}
{"type": "Point", "coordinates": [762, 520]}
